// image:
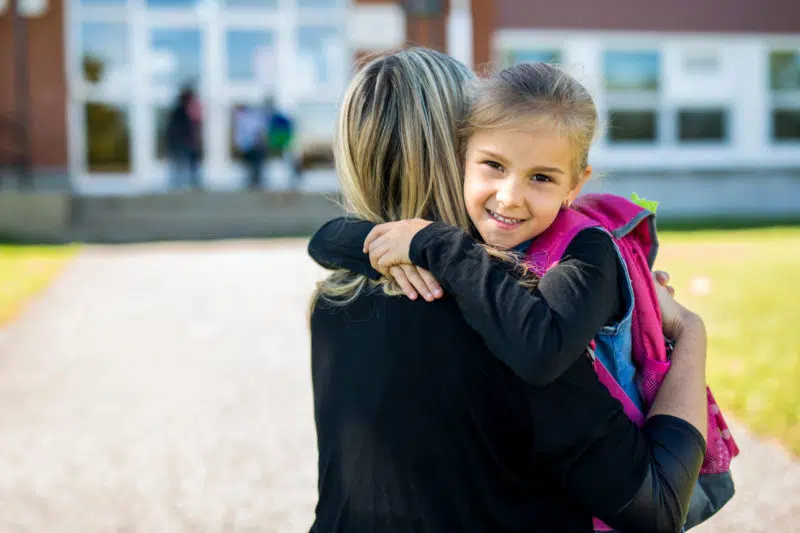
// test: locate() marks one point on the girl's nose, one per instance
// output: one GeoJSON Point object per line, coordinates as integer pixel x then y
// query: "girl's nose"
{"type": "Point", "coordinates": [508, 193]}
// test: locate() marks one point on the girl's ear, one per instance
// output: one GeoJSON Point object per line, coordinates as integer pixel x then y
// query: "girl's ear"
{"type": "Point", "coordinates": [582, 179]}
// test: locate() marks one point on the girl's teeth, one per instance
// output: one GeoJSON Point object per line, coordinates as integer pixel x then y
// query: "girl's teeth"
{"type": "Point", "coordinates": [504, 219]}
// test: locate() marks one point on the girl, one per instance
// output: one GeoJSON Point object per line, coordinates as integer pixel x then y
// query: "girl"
{"type": "Point", "coordinates": [528, 133]}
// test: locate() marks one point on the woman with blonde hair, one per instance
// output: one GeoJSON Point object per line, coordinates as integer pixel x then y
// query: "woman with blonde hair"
{"type": "Point", "coordinates": [420, 427]}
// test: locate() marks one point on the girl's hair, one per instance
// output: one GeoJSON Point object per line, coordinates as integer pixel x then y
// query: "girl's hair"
{"type": "Point", "coordinates": [397, 147]}
{"type": "Point", "coordinates": [535, 92]}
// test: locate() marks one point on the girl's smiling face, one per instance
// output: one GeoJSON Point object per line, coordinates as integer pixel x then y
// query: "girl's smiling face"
{"type": "Point", "coordinates": [515, 182]}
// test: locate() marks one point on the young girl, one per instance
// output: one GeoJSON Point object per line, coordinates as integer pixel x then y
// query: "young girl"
{"type": "Point", "coordinates": [528, 136]}
{"type": "Point", "coordinates": [527, 139]}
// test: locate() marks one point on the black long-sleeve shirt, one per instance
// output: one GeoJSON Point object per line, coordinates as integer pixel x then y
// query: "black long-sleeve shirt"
{"type": "Point", "coordinates": [420, 428]}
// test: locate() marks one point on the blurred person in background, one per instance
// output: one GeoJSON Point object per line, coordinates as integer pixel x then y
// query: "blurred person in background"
{"type": "Point", "coordinates": [280, 134]}
{"type": "Point", "coordinates": [184, 140]}
{"type": "Point", "coordinates": [420, 426]}
{"type": "Point", "coordinates": [249, 137]}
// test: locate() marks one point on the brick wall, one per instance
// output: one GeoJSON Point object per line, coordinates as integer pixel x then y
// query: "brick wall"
{"type": "Point", "coordinates": [47, 83]}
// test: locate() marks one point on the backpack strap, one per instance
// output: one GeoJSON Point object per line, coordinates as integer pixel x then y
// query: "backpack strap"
{"type": "Point", "coordinates": [547, 248]}
{"type": "Point", "coordinates": [614, 388]}
{"type": "Point", "coordinates": [623, 218]}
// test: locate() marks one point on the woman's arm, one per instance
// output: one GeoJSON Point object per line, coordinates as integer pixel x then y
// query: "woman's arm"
{"type": "Point", "coordinates": [634, 480]}
{"type": "Point", "coordinates": [683, 391]}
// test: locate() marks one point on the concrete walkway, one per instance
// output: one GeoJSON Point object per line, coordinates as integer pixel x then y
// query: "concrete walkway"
{"type": "Point", "coordinates": [165, 388]}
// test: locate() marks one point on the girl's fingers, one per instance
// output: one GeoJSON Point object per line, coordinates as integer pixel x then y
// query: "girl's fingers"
{"type": "Point", "coordinates": [376, 232]}
{"type": "Point", "coordinates": [416, 280]}
{"type": "Point", "coordinates": [433, 285]}
{"type": "Point", "coordinates": [400, 277]}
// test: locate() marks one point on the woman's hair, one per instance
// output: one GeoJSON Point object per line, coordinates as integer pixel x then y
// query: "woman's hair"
{"type": "Point", "coordinates": [397, 147]}
{"type": "Point", "coordinates": [535, 93]}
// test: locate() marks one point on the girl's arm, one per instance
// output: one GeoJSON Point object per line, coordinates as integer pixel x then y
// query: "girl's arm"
{"type": "Point", "coordinates": [538, 333]}
{"type": "Point", "coordinates": [339, 243]}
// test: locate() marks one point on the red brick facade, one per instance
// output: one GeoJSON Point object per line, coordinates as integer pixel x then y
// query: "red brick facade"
{"type": "Point", "coordinates": [46, 44]}
{"type": "Point", "coordinates": [47, 81]}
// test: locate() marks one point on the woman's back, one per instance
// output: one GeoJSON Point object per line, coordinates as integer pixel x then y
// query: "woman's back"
{"type": "Point", "coordinates": [419, 427]}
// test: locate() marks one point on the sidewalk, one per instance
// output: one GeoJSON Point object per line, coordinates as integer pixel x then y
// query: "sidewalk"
{"type": "Point", "coordinates": [166, 388]}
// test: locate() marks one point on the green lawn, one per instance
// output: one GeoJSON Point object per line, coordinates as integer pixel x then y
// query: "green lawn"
{"type": "Point", "coordinates": [745, 285]}
{"type": "Point", "coordinates": [25, 271]}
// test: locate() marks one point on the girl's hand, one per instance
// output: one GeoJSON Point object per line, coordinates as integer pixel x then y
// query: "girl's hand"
{"type": "Point", "coordinates": [415, 280]}
{"type": "Point", "coordinates": [389, 244]}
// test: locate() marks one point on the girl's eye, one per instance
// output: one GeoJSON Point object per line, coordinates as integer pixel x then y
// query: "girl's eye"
{"type": "Point", "coordinates": [541, 178]}
{"type": "Point", "coordinates": [493, 164]}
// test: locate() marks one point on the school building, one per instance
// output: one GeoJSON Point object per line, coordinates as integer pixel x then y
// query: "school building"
{"type": "Point", "coordinates": [710, 87]}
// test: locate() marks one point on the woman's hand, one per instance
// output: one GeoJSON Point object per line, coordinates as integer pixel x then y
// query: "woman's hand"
{"type": "Point", "coordinates": [662, 278]}
{"type": "Point", "coordinates": [673, 314]}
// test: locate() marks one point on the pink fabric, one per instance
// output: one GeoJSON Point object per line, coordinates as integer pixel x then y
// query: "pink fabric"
{"type": "Point", "coordinates": [648, 346]}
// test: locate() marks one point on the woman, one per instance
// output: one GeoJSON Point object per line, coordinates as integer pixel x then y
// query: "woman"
{"type": "Point", "coordinates": [420, 426]}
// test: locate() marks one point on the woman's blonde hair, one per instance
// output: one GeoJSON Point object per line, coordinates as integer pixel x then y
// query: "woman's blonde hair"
{"type": "Point", "coordinates": [397, 149]}
{"type": "Point", "coordinates": [535, 93]}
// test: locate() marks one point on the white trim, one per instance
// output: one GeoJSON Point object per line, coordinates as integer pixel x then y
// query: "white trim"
{"type": "Point", "coordinates": [460, 32]}
{"type": "Point", "coordinates": [525, 36]}
{"type": "Point", "coordinates": [212, 19]}
{"type": "Point", "coordinates": [741, 86]}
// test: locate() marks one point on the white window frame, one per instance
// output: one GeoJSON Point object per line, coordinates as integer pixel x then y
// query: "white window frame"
{"type": "Point", "coordinates": [635, 101]}
{"type": "Point", "coordinates": [213, 19]}
{"type": "Point", "coordinates": [785, 100]}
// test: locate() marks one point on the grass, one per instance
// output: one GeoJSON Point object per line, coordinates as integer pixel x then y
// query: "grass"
{"type": "Point", "coordinates": [25, 271]}
{"type": "Point", "coordinates": [745, 285]}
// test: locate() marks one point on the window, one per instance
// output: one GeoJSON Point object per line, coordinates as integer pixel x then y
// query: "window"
{"type": "Point", "coordinates": [175, 56]}
{"type": "Point", "coordinates": [515, 57]}
{"type": "Point", "coordinates": [702, 125]}
{"type": "Point", "coordinates": [250, 55]}
{"type": "Point", "coordinates": [316, 44]}
{"type": "Point", "coordinates": [104, 3]}
{"type": "Point", "coordinates": [104, 55]}
{"type": "Point", "coordinates": [108, 145]}
{"type": "Point", "coordinates": [172, 3]}
{"type": "Point", "coordinates": [318, 3]}
{"type": "Point", "coordinates": [252, 3]}
{"type": "Point", "coordinates": [316, 121]}
{"type": "Point", "coordinates": [632, 126]}
{"type": "Point", "coordinates": [633, 80]}
{"type": "Point", "coordinates": [784, 81]}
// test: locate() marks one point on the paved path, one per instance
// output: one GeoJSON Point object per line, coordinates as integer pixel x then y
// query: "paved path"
{"type": "Point", "coordinates": [165, 388]}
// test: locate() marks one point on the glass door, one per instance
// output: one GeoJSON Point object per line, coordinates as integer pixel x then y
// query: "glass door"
{"type": "Point", "coordinates": [252, 38]}
{"type": "Point", "coordinates": [173, 46]}
{"type": "Point", "coordinates": [100, 106]}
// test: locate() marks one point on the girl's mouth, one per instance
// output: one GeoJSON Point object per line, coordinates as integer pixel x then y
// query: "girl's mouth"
{"type": "Point", "coordinates": [505, 222]}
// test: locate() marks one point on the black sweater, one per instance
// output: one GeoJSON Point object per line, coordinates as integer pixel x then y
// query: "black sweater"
{"type": "Point", "coordinates": [425, 425]}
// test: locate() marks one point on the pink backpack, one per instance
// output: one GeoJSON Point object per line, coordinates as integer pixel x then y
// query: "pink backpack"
{"type": "Point", "coordinates": [633, 230]}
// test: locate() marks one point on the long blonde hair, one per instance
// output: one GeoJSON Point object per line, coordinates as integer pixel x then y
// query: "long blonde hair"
{"type": "Point", "coordinates": [397, 148]}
